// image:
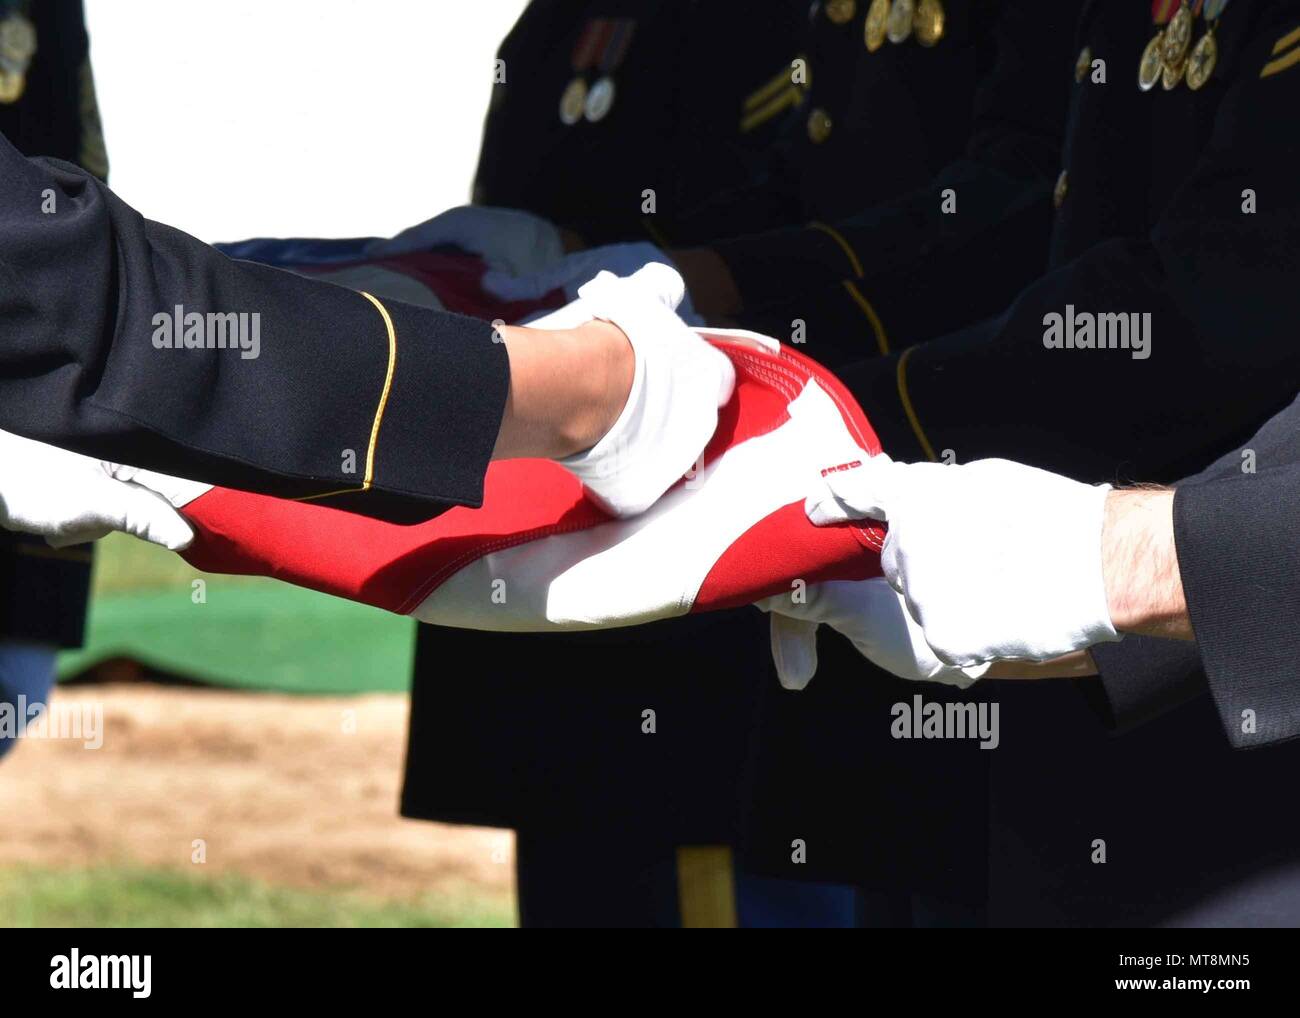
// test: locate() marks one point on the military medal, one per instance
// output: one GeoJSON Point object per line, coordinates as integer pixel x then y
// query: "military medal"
{"type": "Point", "coordinates": [840, 12]}
{"type": "Point", "coordinates": [17, 47]}
{"type": "Point", "coordinates": [17, 40]}
{"type": "Point", "coordinates": [574, 97]}
{"type": "Point", "coordinates": [1200, 65]}
{"type": "Point", "coordinates": [929, 22]}
{"type": "Point", "coordinates": [1150, 67]}
{"type": "Point", "coordinates": [1171, 76]}
{"type": "Point", "coordinates": [1152, 62]}
{"type": "Point", "coordinates": [600, 98]}
{"type": "Point", "coordinates": [572, 101]}
{"type": "Point", "coordinates": [874, 29]}
{"type": "Point", "coordinates": [1205, 55]}
{"type": "Point", "coordinates": [1163, 10]}
{"type": "Point", "coordinates": [902, 17]}
{"type": "Point", "coordinates": [1178, 41]}
{"type": "Point", "coordinates": [1178, 38]}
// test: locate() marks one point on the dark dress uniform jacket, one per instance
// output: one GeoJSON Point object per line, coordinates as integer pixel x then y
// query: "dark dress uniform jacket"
{"type": "Point", "coordinates": [545, 732]}
{"type": "Point", "coordinates": [526, 730]}
{"type": "Point", "coordinates": [1234, 526]}
{"type": "Point", "coordinates": [1155, 200]}
{"type": "Point", "coordinates": [848, 231]}
{"type": "Point", "coordinates": [415, 394]}
{"type": "Point", "coordinates": [1192, 832]}
{"type": "Point", "coordinates": [682, 73]}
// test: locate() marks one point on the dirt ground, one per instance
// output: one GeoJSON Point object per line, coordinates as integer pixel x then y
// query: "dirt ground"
{"type": "Point", "coordinates": [300, 791]}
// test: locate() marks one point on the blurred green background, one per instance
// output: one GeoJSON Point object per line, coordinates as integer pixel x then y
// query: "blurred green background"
{"type": "Point", "coordinates": [249, 632]}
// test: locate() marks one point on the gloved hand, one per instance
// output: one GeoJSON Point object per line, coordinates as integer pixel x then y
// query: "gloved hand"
{"type": "Point", "coordinates": [69, 499]}
{"type": "Point", "coordinates": [672, 409]}
{"type": "Point", "coordinates": [572, 271]}
{"type": "Point", "coordinates": [995, 560]}
{"type": "Point", "coordinates": [509, 240]}
{"type": "Point", "coordinates": [873, 618]}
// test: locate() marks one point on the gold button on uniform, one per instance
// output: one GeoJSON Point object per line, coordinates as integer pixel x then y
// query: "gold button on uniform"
{"type": "Point", "coordinates": [819, 126]}
{"type": "Point", "coordinates": [1062, 188]}
{"type": "Point", "coordinates": [840, 11]}
{"type": "Point", "coordinates": [1084, 64]}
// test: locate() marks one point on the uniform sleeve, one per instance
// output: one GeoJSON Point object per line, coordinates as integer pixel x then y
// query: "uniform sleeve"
{"type": "Point", "coordinates": [1143, 677]}
{"type": "Point", "coordinates": [956, 248]}
{"type": "Point", "coordinates": [1217, 284]}
{"type": "Point", "coordinates": [1233, 530]}
{"type": "Point", "coordinates": [1240, 566]}
{"type": "Point", "coordinates": [1240, 570]}
{"type": "Point", "coordinates": [113, 328]}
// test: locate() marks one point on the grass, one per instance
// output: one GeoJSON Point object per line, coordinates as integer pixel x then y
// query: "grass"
{"type": "Point", "coordinates": [115, 897]}
{"type": "Point", "coordinates": [248, 632]}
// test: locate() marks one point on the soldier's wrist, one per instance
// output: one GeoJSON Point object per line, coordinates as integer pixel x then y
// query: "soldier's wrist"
{"type": "Point", "coordinates": [1144, 590]}
{"type": "Point", "coordinates": [567, 388]}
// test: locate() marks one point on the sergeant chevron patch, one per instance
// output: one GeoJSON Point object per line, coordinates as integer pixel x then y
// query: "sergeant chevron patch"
{"type": "Point", "coordinates": [1286, 53]}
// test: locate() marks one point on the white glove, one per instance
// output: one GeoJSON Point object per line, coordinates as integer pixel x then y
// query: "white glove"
{"type": "Point", "coordinates": [571, 272]}
{"type": "Point", "coordinates": [509, 240]}
{"type": "Point", "coordinates": [873, 618]}
{"type": "Point", "coordinates": [996, 560]}
{"type": "Point", "coordinates": [69, 499]}
{"type": "Point", "coordinates": [679, 384]}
